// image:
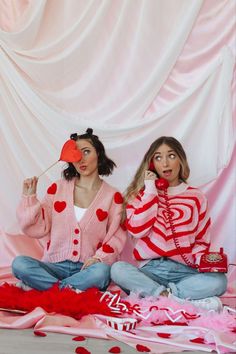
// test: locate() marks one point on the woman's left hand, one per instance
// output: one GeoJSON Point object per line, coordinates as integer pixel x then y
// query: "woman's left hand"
{"type": "Point", "coordinates": [89, 262]}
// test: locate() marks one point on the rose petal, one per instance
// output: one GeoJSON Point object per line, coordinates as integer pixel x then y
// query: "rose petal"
{"type": "Point", "coordinates": [81, 350]}
{"type": "Point", "coordinates": [40, 334]}
{"type": "Point", "coordinates": [115, 350]}
{"type": "Point", "coordinates": [79, 338]}
{"type": "Point", "coordinates": [164, 335]}
{"type": "Point", "coordinates": [142, 348]}
{"type": "Point", "coordinates": [197, 340]}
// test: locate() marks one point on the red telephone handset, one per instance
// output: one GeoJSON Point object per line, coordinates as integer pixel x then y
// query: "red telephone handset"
{"type": "Point", "coordinates": [161, 184]}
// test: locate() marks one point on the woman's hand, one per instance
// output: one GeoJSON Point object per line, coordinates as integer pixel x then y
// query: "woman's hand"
{"type": "Point", "coordinates": [89, 262]}
{"type": "Point", "coordinates": [30, 186]}
{"type": "Point", "coordinates": [150, 175]}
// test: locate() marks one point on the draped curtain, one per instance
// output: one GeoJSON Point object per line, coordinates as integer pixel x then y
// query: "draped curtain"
{"type": "Point", "coordinates": [132, 70]}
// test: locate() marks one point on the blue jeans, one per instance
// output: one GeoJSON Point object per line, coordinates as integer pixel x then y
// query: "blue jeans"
{"type": "Point", "coordinates": [42, 275]}
{"type": "Point", "coordinates": [160, 274]}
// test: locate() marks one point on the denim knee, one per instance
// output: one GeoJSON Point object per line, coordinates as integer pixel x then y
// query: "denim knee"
{"type": "Point", "coordinates": [219, 284]}
{"type": "Point", "coordinates": [117, 270]}
{"type": "Point", "coordinates": [19, 265]}
{"type": "Point", "coordinates": [102, 273]}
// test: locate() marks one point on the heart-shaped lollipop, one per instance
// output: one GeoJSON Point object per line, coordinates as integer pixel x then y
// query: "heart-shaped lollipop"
{"type": "Point", "coordinates": [69, 153]}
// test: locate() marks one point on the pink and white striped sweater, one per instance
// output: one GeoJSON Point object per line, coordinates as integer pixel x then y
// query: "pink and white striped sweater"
{"type": "Point", "coordinates": [148, 222]}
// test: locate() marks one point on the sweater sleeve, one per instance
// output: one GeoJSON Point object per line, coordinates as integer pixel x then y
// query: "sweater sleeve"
{"type": "Point", "coordinates": [202, 240]}
{"type": "Point", "coordinates": [116, 236]}
{"type": "Point", "coordinates": [34, 216]}
{"type": "Point", "coordinates": [142, 211]}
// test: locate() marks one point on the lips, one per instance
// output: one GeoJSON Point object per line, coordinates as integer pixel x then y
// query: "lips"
{"type": "Point", "coordinates": [83, 168]}
{"type": "Point", "coordinates": [167, 173]}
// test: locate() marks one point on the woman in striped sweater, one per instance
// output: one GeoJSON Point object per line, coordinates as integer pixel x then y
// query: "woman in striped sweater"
{"type": "Point", "coordinates": [170, 229]}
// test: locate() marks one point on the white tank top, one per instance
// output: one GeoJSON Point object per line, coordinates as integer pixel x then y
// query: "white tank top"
{"type": "Point", "coordinates": [79, 212]}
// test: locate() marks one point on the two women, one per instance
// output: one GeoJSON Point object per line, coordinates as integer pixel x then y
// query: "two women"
{"type": "Point", "coordinates": [81, 216]}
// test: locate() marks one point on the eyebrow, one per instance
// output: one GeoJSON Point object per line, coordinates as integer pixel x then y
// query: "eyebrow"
{"type": "Point", "coordinates": [85, 147]}
{"type": "Point", "coordinates": [159, 153]}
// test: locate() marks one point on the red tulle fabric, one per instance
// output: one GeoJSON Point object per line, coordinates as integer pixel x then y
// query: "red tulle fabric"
{"type": "Point", "coordinates": [63, 301]}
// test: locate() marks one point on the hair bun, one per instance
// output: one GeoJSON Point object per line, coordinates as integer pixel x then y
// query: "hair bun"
{"type": "Point", "coordinates": [89, 131]}
{"type": "Point", "coordinates": [74, 136]}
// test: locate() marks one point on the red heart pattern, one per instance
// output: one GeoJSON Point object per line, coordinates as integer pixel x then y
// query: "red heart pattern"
{"type": "Point", "coordinates": [70, 152]}
{"type": "Point", "coordinates": [52, 189]}
{"type": "Point", "coordinates": [107, 248]}
{"type": "Point", "coordinates": [59, 206]}
{"type": "Point", "coordinates": [101, 214]}
{"type": "Point", "coordinates": [118, 198]}
{"type": "Point", "coordinates": [48, 244]}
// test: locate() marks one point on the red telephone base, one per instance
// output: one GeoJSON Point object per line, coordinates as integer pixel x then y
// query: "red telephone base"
{"type": "Point", "coordinates": [213, 262]}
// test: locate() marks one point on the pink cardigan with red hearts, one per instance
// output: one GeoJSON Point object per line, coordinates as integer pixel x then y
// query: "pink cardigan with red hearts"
{"type": "Point", "coordinates": [97, 234]}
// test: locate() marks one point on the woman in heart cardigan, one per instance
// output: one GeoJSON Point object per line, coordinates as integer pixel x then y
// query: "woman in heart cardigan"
{"type": "Point", "coordinates": [80, 218]}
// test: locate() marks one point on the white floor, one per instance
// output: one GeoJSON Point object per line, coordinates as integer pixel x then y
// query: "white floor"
{"type": "Point", "coordinates": [25, 342]}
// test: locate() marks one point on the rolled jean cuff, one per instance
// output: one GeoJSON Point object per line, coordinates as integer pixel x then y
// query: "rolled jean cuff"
{"type": "Point", "coordinates": [173, 289]}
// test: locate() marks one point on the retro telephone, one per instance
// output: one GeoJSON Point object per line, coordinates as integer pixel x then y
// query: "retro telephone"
{"type": "Point", "coordinates": [209, 261]}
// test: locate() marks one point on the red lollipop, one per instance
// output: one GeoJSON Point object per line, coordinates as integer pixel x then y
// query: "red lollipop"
{"type": "Point", "coordinates": [69, 153]}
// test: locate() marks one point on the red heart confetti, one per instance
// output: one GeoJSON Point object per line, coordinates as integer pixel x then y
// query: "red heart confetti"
{"type": "Point", "coordinates": [164, 335]}
{"type": "Point", "coordinates": [107, 248]}
{"type": "Point", "coordinates": [198, 340]}
{"type": "Point", "coordinates": [81, 350]}
{"type": "Point", "coordinates": [79, 338]}
{"type": "Point", "coordinates": [52, 189]}
{"type": "Point", "coordinates": [70, 152]}
{"type": "Point", "coordinates": [142, 348]}
{"type": "Point", "coordinates": [40, 334]}
{"type": "Point", "coordinates": [101, 214]}
{"type": "Point", "coordinates": [114, 350]}
{"type": "Point", "coordinates": [59, 206]}
{"type": "Point", "coordinates": [118, 198]}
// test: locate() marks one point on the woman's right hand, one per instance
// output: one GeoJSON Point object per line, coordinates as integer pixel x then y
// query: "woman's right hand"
{"type": "Point", "coordinates": [30, 186]}
{"type": "Point", "coordinates": [150, 175]}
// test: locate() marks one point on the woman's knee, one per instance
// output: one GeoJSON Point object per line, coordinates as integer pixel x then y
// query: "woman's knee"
{"type": "Point", "coordinates": [118, 269]}
{"type": "Point", "coordinates": [220, 282]}
{"type": "Point", "coordinates": [20, 265]}
{"type": "Point", "coordinates": [102, 270]}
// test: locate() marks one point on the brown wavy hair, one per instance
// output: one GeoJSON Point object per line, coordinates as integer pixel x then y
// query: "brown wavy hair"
{"type": "Point", "coordinates": [138, 181]}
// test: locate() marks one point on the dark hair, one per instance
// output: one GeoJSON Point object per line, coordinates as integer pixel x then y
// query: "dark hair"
{"type": "Point", "coordinates": [105, 165]}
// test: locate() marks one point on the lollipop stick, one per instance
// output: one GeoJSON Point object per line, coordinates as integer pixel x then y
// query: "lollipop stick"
{"type": "Point", "coordinates": [48, 168]}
